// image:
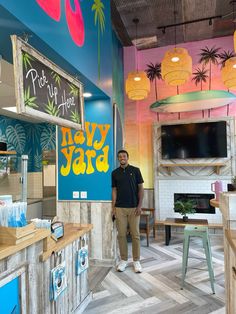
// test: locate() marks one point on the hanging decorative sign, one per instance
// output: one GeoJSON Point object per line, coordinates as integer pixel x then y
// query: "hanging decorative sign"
{"type": "Point", "coordinates": [82, 258]}
{"type": "Point", "coordinates": [58, 280]}
{"type": "Point", "coordinates": [45, 91]}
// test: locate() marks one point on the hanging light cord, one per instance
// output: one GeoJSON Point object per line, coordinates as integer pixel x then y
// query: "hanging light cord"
{"type": "Point", "coordinates": [136, 30]}
{"type": "Point", "coordinates": [136, 20]}
{"type": "Point", "coordinates": [175, 21]}
{"type": "Point", "coordinates": [234, 14]}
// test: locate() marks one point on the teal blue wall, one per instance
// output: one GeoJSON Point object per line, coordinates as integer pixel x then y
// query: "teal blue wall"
{"type": "Point", "coordinates": [28, 139]}
{"type": "Point", "coordinates": [118, 93]}
{"type": "Point", "coordinates": [85, 174]}
{"type": "Point", "coordinates": [91, 61]}
{"type": "Point", "coordinates": [53, 39]}
{"type": "Point", "coordinates": [118, 75]}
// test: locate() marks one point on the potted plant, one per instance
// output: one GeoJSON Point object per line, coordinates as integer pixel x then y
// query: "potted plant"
{"type": "Point", "coordinates": [185, 207]}
{"type": "Point", "coordinates": [232, 186]}
{"type": "Point", "coordinates": [233, 180]}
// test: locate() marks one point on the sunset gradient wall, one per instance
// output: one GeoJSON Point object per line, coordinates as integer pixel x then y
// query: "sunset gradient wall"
{"type": "Point", "coordinates": [139, 118]}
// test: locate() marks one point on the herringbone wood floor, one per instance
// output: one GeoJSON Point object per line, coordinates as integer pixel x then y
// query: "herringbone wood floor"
{"type": "Point", "coordinates": [157, 288]}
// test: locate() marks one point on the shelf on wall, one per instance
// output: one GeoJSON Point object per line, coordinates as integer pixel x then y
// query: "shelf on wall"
{"type": "Point", "coordinates": [7, 152]}
{"type": "Point", "coordinates": [216, 165]}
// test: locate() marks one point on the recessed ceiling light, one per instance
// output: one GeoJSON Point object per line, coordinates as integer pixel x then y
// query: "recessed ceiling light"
{"type": "Point", "coordinates": [87, 95]}
{"type": "Point", "coordinates": [12, 109]}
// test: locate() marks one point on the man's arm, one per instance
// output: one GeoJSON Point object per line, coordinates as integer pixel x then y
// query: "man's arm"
{"type": "Point", "coordinates": [114, 195]}
{"type": "Point", "coordinates": [140, 199]}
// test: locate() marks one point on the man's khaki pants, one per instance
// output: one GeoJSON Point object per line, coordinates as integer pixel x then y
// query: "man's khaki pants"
{"type": "Point", "coordinates": [125, 216]}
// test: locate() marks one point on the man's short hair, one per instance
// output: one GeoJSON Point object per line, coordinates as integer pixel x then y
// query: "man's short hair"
{"type": "Point", "coordinates": [123, 151]}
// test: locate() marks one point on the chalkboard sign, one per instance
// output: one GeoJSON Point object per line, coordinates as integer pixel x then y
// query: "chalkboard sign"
{"type": "Point", "coordinates": [43, 90]}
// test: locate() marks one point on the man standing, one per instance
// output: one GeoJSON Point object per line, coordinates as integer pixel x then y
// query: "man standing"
{"type": "Point", "coordinates": [127, 197]}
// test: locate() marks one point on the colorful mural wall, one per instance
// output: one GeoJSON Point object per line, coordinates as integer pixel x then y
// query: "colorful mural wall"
{"type": "Point", "coordinates": [28, 139]}
{"type": "Point", "coordinates": [77, 36]}
{"type": "Point", "coordinates": [77, 31]}
{"type": "Point", "coordinates": [139, 118]}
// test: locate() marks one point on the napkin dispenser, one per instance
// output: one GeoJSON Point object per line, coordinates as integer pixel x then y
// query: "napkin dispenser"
{"type": "Point", "coordinates": [57, 229]}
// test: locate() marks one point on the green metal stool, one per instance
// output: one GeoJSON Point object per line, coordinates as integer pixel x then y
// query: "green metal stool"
{"type": "Point", "coordinates": [202, 232]}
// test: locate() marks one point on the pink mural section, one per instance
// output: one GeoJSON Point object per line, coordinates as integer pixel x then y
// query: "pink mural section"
{"type": "Point", "coordinates": [139, 118]}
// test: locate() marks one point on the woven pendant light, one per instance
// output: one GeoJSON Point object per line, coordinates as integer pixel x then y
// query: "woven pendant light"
{"type": "Point", "coordinates": [176, 67]}
{"type": "Point", "coordinates": [228, 73]}
{"type": "Point", "coordinates": [137, 85]}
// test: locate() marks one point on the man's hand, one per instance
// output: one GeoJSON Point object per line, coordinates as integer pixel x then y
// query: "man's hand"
{"type": "Point", "coordinates": [138, 211]}
{"type": "Point", "coordinates": [113, 213]}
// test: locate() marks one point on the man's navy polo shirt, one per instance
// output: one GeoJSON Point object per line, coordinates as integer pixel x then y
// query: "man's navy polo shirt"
{"type": "Point", "coordinates": [126, 181]}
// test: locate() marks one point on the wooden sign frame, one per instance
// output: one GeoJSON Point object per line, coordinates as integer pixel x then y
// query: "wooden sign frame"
{"type": "Point", "coordinates": [53, 111]}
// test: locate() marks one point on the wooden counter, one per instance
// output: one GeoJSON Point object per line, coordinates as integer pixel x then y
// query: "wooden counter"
{"type": "Point", "coordinates": [31, 262]}
{"type": "Point", "coordinates": [7, 250]}
{"type": "Point", "coordinates": [72, 232]}
{"type": "Point", "coordinates": [227, 205]}
{"type": "Point", "coordinates": [231, 237]}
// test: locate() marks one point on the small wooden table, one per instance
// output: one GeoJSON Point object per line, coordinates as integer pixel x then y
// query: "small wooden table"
{"type": "Point", "coordinates": [214, 203]}
{"type": "Point", "coordinates": [178, 222]}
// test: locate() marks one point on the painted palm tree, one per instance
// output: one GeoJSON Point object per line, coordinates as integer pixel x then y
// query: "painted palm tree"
{"type": "Point", "coordinates": [200, 76]}
{"type": "Point", "coordinates": [154, 74]}
{"type": "Point", "coordinates": [209, 55]}
{"type": "Point", "coordinates": [224, 56]}
{"type": "Point", "coordinates": [99, 20]}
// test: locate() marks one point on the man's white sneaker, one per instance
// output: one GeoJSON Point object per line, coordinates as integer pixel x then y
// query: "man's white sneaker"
{"type": "Point", "coordinates": [137, 267]}
{"type": "Point", "coordinates": [122, 265]}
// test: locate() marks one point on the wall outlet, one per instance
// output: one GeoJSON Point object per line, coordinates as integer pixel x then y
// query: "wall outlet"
{"type": "Point", "coordinates": [75, 194]}
{"type": "Point", "coordinates": [83, 194]}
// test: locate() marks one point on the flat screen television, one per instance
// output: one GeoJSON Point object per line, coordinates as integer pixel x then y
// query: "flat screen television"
{"type": "Point", "coordinates": [194, 140]}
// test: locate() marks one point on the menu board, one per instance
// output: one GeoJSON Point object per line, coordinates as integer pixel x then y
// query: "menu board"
{"type": "Point", "coordinates": [43, 90]}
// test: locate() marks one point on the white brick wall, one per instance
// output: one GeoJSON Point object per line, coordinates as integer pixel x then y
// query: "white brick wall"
{"type": "Point", "coordinates": [165, 197]}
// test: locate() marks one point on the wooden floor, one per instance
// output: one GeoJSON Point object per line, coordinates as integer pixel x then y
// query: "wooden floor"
{"type": "Point", "coordinates": [157, 288]}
